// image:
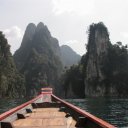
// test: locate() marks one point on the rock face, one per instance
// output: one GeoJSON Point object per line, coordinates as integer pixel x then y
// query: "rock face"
{"type": "Point", "coordinates": [68, 56]}
{"type": "Point", "coordinates": [102, 71]}
{"type": "Point", "coordinates": [96, 57]}
{"type": "Point", "coordinates": [38, 58]}
{"type": "Point", "coordinates": [97, 48]}
{"type": "Point", "coordinates": [21, 55]}
{"type": "Point", "coordinates": [11, 82]}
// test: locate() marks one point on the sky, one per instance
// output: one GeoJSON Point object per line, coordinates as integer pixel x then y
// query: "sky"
{"type": "Point", "coordinates": [67, 20]}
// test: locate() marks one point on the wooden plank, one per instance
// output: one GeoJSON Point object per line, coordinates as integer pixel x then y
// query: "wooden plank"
{"type": "Point", "coordinates": [54, 122]}
{"type": "Point", "coordinates": [45, 123]}
{"type": "Point", "coordinates": [47, 115]}
{"type": "Point", "coordinates": [58, 126]}
{"type": "Point", "coordinates": [43, 127]}
{"type": "Point", "coordinates": [27, 122]}
{"type": "Point", "coordinates": [73, 123]}
{"type": "Point", "coordinates": [45, 109]}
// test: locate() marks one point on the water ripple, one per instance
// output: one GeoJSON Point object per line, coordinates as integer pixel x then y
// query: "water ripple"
{"type": "Point", "coordinates": [113, 110]}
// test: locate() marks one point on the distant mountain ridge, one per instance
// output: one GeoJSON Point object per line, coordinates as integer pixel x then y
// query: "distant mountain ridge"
{"type": "Point", "coordinates": [68, 56]}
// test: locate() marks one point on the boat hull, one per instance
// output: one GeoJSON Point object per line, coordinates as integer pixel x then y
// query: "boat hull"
{"type": "Point", "coordinates": [51, 102]}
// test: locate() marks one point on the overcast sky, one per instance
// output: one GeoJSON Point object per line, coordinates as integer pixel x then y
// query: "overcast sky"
{"type": "Point", "coordinates": [67, 20]}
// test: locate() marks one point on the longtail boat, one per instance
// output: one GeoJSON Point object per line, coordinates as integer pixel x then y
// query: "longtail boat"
{"type": "Point", "coordinates": [49, 111]}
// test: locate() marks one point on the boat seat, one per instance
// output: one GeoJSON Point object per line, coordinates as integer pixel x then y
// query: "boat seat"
{"type": "Point", "coordinates": [45, 109]}
{"type": "Point", "coordinates": [47, 112]}
{"type": "Point", "coordinates": [42, 113]}
{"type": "Point", "coordinates": [47, 115]}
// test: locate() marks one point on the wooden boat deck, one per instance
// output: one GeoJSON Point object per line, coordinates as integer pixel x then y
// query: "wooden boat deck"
{"type": "Point", "coordinates": [48, 111]}
{"type": "Point", "coordinates": [45, 118]}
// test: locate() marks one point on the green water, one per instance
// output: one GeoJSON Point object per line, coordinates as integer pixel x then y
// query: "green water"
{"type": "Point", "coordinates": [113, 110]}
{"type": "Point", "coordinates": [7, 104]}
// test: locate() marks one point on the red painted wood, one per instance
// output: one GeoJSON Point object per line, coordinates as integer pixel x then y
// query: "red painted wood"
{"type": "Point", "coordinates": [95, 119]}
{"type": "Point", "coordinates": [46, 90]}
{"type": "Point", "coordinates": [6, 114]}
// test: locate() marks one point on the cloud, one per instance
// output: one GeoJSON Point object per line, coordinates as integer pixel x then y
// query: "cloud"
{"type": "Point", "coordinates": [14, 36]}
{"type": "Point", "coordinates": [79, 7]}
{"type": "Point", "coordinates": [124, 34]}
{"type": "Point", "coordinates": [70, 42]}
{"type": "Point", "coordinates": [14, 31]}
{"type": "Point", "coordinates": [77, 46]}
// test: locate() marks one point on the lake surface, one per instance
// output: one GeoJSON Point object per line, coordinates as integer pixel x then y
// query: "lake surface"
{"type": "Point", "coordinates": [113, 110]}
{"type": "Point", "coordinates": [6, 104]}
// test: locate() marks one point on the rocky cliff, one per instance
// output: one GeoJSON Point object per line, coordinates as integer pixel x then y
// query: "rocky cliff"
{"type": "Point", "coordinates": [97, 53]}
{"type": "Point", "coordinates": [11, 82]}
{"type": "Point", "coordinates": [38, 58]}
{"type": "Point", "coordinates": [103, 70]}
{"type": "Point", "coordinates": [68, 56]}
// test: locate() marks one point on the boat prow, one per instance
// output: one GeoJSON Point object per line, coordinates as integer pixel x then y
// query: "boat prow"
{"type": "Point", "coordinates": [49, 111]}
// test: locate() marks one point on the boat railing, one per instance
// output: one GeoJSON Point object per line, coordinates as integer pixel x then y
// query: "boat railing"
{"type": "Point", "coordinates": [95, 119]}
{"type": "Point", "coordinates": [12, 111]}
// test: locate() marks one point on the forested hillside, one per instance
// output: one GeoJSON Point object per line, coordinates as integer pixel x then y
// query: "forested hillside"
{"type": "Point", "coordinates": [12, 83]}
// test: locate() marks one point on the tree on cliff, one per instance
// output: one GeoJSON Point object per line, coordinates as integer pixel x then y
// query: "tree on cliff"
{"type": "Point", "coordinates": [117, 74]}
{"type": "Point", "coordinates": [72, 81]}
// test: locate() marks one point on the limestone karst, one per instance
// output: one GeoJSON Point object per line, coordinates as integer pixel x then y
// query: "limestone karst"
{"type": "Point", "coordinates": [38, 59]}
{"type": "Point", "coordinates": [103, 69]}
